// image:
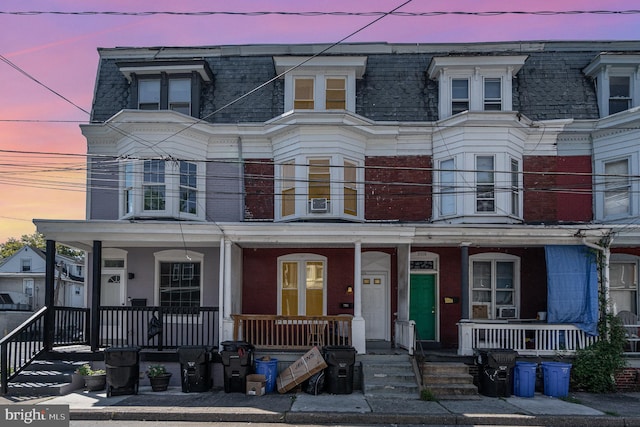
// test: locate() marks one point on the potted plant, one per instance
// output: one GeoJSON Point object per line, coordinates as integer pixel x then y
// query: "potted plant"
{"type": "Point", "coordinates": [158, 377]}
{"type": "Point", "coordinates": [94, 380]}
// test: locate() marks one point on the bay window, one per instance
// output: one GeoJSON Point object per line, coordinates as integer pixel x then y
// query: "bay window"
{"type": "Point", "coordinates": [617, 188]}
{"type": "Point", "coordinates": [485, 184]}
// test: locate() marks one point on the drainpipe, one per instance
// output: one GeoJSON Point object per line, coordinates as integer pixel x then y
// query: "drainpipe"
{"type": "Point", "coordinates": [606, 255]}
{"type": "Point", "coordinates": [241, 177]}
{"type": "Point", "coordinates": [221, 293]}
{"type": "Point", "coordinates": [464, 280]}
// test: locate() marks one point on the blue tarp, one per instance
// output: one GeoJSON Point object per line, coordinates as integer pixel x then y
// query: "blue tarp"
{"type": "Point", "coordinates": [572, 287]}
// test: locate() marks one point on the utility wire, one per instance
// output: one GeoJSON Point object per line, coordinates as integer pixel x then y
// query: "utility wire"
{"type": "Point", "coordinates": [381, 14]}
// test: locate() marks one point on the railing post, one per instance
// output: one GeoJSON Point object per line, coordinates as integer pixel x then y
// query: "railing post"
{"type": "Point", "coordinates": [161, 333]}
{"type": "Point", "coordinates": [49, 283]}
{"type": "Point", "coordinates": [4, 368]}
{"type": "Point", "coordinates": [94, 336]}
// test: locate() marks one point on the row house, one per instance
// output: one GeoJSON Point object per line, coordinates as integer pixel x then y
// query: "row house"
{"type": "Point", "coordinates": [460, 195]}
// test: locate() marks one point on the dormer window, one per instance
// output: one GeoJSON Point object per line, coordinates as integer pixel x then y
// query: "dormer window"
{"type": "Point", "coordinates": [320, 84]}
{"type": "Point", "coordinates": [617, 78]}
{"type": "Point", "coordinates": [475, 83]}
{"type": "Point", "coordinates": [167, 85]}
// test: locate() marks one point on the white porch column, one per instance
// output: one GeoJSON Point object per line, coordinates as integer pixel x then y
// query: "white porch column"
{"type": "Point", "coordinates": [221, 293]}
{"type": "Point", "coordinates": [357, 325]}
{"type": "Point", "coordinates": [226, 306]}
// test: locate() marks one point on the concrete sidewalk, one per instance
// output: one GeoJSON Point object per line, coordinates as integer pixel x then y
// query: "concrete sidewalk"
{"type": "Point", "coordinates": [620, 409]}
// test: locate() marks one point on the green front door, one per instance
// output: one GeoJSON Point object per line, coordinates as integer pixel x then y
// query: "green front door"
{"type": "Point", "coordinates": [422, 305]}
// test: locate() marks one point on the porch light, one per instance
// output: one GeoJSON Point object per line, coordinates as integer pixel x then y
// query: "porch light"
{"type": "Point", "coordinates": [349, 290]}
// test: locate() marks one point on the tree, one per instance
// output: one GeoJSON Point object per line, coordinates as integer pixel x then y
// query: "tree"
{"type": "Point", "coordinates": [36, 240]}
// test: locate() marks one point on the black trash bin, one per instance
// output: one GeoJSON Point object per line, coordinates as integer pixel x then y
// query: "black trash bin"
{"type": "Point", "coordinates": [194, 368]}
{"type": "Point", "coordinates": [339, 372]}
{"type": "Point", "coordinates": [237, 359]}
{"type": "Point", "coordinates": [123, 370]}
{"type": "Point", "coordinates": [496, 372]}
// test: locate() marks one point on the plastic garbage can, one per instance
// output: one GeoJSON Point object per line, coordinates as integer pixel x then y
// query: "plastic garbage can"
{"type": "Point", "coordinates": [194, 368]}
{"type": "Point", "coordinates": [524, 379]}
{"type": "Point", "coordinates": [123, 370]}
{"type": "Point", "coordinates": [269, 368]}
{"type": "Point", "coordinates": [556, 378]}
{"type": "Point", "coordinates": [237, 359]}
{"type": "Point", "coordinates": [339, 372]}
{"type": "Point", "coordinates": [495, 372]}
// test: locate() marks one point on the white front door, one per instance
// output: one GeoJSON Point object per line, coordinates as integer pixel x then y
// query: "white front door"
{"type": "Point", "coordinates": [112, 291]}
{"type": "Point", "coordinates": [374, 306]}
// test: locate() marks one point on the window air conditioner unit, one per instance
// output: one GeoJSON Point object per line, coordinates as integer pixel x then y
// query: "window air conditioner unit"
{"type": "Point", "coordinates": [319, 205]}
{"type": "Point", "coordinates": [507, 312]}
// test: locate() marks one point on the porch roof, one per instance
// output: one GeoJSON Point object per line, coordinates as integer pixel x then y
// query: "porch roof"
{"type": "Point", "coordinates": [81, 234]}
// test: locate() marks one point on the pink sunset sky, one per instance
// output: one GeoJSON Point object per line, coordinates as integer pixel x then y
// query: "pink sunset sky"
{"type": "Point", "coordinates": [42, 174]}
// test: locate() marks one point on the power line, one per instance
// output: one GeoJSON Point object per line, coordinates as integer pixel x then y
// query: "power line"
{"type": "Point", "coordinates": [488, 13]}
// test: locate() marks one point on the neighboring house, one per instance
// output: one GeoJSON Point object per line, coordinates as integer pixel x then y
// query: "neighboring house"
{"type": "Point", "coordinates": [22, 284]}
{"type": "Point", "coordinates": [448, 184]}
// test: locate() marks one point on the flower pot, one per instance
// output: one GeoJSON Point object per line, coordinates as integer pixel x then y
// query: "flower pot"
{"type": "Point", "coordinates": [95, 382]}
{"type": "Point", "coordinates": [160, 382]}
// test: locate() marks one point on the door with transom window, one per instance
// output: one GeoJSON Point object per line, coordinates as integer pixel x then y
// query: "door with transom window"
{"type": "Point", "coordinates": [374, 306]}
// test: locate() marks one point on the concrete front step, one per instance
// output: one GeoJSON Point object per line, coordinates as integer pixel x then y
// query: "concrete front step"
{"type": "Point", "coordinates": [448, 380]}
{"type": "Point", "coordinates": [46, 378]}
{"type": "Point", "coordinates": [389, 376]}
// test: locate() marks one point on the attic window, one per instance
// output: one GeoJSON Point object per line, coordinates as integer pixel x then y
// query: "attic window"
{"type": "Point", "coordinates": [617, 77]}
{"type": "Point", "coordinates": [475, 83]}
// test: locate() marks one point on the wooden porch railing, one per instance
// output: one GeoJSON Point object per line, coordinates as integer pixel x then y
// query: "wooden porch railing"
{"type": "Point", "coordinates": [538, 339]}
{"type": "Point", "coordinates": [158, 327]}
{"type": "Point", "coordinates": [271, 332]}
{"type": "Point", "coordinates": [406, 335]}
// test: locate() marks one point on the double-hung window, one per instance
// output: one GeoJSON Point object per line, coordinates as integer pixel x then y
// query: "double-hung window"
{"type": "Point", "coordinates": [619, 94]}
{"type": "Point", "coordinates": [459, 95]}
{"type": "Point", "coordinates": [350, 188]}
{"type": "Point", "coordinates": [617, 189]}
{"type": "Point", "coordinates": [128, 191]}
{"type": "Point", "coordinates": [319, 185]}
{"type": "Point", "coordinates": [149, 94]}
{"type": "Point", "coordinates": [623, 286]}
{"type": "Point", "coordinates": [492, 94]}
{"type": "Point", "coordinates": [303, 93]}
{"type": "Point", "coordinates": [494, 284]}
{"type": "Point", "coordinates": [485, 184]}
{"type": "Point", "coordinates": [180, 95]}
{"type": "Point", "coordinates": [447, 187]}
{"type": "Point", "coordinates": [179, 278]}
{"type": "Point", "coordinates": [302, 283]}
{"type": "Point", "coordinates": [188, 187]}
{"type": "Point", "coordinates": [25, 265]}
{"type": "Point", "coordinates": [154, 198]}
{"type": "Point", "coordinates": [321, 83]}
{"type": "Point", "coordinates": [475, 83]}
{"type": "Point", "coordinates": [515, 187]}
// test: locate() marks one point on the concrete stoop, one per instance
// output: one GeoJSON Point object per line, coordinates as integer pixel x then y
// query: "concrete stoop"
{"type": "Point", "coordinates": [449, 380]}
{"type": "Point", "coordinates": [47, 378]}
{"type": "Point", "coordinates": [389, 376]}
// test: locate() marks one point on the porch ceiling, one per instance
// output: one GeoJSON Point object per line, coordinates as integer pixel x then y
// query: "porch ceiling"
{"type": "Point", "coordinates": [82, 234]}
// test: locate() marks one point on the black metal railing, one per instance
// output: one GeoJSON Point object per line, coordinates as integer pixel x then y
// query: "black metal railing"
{"type": "Point", "coordinates": [158, 327]}
{"type": "Point", "coordinates": [20, 347]}
{"type": "Point", "coordinates": [71, 326]}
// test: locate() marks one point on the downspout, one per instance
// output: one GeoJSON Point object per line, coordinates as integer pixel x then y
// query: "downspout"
{"type": "Point", "coordinates": [221, 293]}
{"type": "Point", "coordinates": [241, 178]}
{"type": "Point", "coordinates": [606, 256]}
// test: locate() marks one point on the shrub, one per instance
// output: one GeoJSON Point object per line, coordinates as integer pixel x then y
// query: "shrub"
{"type": "Point", "coordinates": [595, 366]}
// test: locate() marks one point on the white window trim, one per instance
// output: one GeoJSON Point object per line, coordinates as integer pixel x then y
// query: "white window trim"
{"type": "Point", "coordinates": [336, 206]}
{"type": "Point", "coordinates": [172, 192]}
{"type": "Point", "coordinates": [475, 69]}
{"type": "Point", "coordinates": [301, 259]}
{"type": "Point", "coordinates": [600, 189]}
{"type": "Point", "coordinates": [606, 65]}
{"type": "Point", "coordinates": [465, 188]}
{"type": "Point", "coordinates": [494, 257]}
{"type": "Point", "coordinates": [618, 258]}
{"type": "Point", "coordinates": [320, 68]}
{"type": "Point", "coordinates": [177, 255]}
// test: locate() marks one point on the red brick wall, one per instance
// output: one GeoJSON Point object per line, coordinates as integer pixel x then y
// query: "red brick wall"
{"type": "Point", "coordinates": [628, 379]}
{"type": "Point", "coordinates": [260, 279]}
{"type": "Point", "coordinates": [258, 183]}
{"type": "Point", "coordinates": [545, 176]}
{"type": "Point", "coordinates": [390, 192]}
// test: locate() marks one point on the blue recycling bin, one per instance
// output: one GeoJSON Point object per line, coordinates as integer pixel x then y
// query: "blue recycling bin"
{"type": "Point", "coordinates": [524, 379]}
{"type": "Point", "coordinates": [269, 368]}
{"type": "Point", "coordinates": [556, 378]}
